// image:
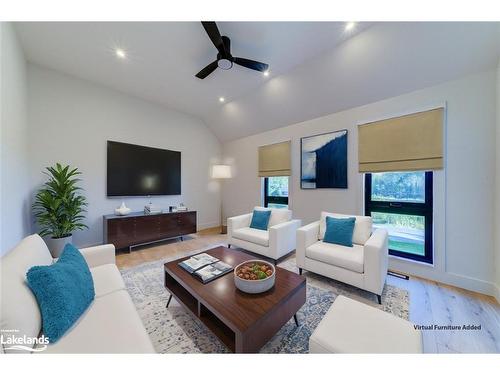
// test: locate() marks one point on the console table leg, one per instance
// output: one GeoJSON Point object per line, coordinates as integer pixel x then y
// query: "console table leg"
{"type": "Point", "coordinates": [296, 320]}
{"type": "Point", "coordinates": [168, 302]}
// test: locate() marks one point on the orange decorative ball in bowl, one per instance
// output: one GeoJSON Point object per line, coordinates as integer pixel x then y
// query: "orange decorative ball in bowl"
{"type": "Point", "coordinates": [254, 276]}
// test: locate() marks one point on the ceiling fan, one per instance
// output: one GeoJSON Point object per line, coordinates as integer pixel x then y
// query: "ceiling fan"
{"type": "Point", "coordinates": [224, 58]}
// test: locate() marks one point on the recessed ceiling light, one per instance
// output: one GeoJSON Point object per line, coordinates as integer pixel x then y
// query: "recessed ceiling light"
{"type": "Point", "coordinates": [221, 99]}
{"type": "Point", "coordinates": [266, 73]}
{"type": "Point", "coordinates": [350, 26]}
{"type": "Point", "coordinates": [120, 53]}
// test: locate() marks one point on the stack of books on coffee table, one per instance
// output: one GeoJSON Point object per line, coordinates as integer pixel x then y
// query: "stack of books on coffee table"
{"type": "Point", "coordinates": [205, 267]}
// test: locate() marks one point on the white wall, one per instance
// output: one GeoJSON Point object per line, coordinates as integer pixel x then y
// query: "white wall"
{"type": "Point", "coordinates": [463, 192]}
{"type": "Point", "coordinates": [70, 121]}
{"type": "Point", "coordinates": [497, 190]}
{"type": "Point", "coordinates": [15, 191]}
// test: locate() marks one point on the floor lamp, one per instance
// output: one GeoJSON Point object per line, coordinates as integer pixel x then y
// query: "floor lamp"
{"type": "Point", "coordinates": [221, 172]}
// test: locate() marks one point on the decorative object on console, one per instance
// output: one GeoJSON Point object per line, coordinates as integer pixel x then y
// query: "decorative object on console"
{"type": "Point", "coordinates": [254, 276]}
{"type": "Point", "coordinates": [122, 210]}
{"type": "Point", "coordinates": [323, 161]}
{"type": "Point", "coordinates": [221, 172]}
{"type": "Point", "coordinates": [59, 207]}
{"type": "Point", "coordinates": [181, 207]}
{"type": "Point", "coordinates": [151, 209]}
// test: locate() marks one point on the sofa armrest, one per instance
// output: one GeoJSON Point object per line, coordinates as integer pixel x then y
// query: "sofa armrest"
{"type": "Point", "coordinates": [282, 238]}
{"type": "Point", "coordinates": [237, 222]}
{"type": "Point", "coordinates": [306, 236]}
{"type": "Point", "coordinates": [99, 255]}
{"type": "Point", "coordinates": [376, 254]}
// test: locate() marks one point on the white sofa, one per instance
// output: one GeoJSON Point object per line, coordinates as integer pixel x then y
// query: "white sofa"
{"type": "Point", "coordinates": [110, 325]}
{"type": "Point", "coordinates": [364, 265]}
{"type": "Point", "coordinates": [276, 242]}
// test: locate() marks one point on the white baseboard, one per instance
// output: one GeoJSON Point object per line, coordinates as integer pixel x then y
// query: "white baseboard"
{"type": "Point", "coordinates": [431, 273]}
{"type": "Point", "coordinates": [212, 224]}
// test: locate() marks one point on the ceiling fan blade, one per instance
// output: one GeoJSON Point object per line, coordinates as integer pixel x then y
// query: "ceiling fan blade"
{"type": "Point", "coordinates": [207, 70]}
{"type": "Point", "coordinates": [251, 64]}
{"type": "Point", "coordinates": [214, 35]}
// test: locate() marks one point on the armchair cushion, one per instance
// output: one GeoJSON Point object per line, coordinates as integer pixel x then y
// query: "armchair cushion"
{"type": "Point", "coordinates": [260, 219]}
{"type": "Point", "coordinates": [339, 231]}
{"type": "Point", "coordinates": [278, 215]}
{"type": "Point", "coordinates": [362, 227]}
{"type": "Point", "coordinates": [351, 258]}
{"type": "Point", "coordinates": [257, 236]}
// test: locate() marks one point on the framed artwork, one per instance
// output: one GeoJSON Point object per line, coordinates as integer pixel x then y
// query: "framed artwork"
{"type": "Point", "coordinates": [323, 161]}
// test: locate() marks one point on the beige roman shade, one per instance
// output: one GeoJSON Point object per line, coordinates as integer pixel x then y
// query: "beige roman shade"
{"type": "Point", "coordinates": [407, 143]}
{"type": "Point", "coordinates": [274, 160]}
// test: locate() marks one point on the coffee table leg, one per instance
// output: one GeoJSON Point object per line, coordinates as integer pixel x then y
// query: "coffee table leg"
{"type": "Point", "coordinates": [296, 320]}
{"type": "Point", "coordinates": [168, 302]}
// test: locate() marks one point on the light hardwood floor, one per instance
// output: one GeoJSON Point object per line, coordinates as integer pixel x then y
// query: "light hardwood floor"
{"type": "Point", "coordinates": [430, 302]}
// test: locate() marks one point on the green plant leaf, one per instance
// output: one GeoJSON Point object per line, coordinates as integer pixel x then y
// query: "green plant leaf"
{"type": "Point", "coordinates": [58, 207]}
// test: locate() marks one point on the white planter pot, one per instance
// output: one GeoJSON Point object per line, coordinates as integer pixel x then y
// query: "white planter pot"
{"type": "Point", "coordinates": [56, 245]}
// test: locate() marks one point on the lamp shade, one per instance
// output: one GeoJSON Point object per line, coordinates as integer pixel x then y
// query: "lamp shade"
{"type": "Point", "coordinates": [221, 171]}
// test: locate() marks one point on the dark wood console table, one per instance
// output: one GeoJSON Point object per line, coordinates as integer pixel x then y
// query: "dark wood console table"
{"type": "Point", "coordinates": [138, 228]}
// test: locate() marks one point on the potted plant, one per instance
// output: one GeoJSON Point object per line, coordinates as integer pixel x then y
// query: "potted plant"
{"type": "Point", "coordinates": [59, 208]}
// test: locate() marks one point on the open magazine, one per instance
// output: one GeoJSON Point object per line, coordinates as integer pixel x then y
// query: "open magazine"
{"type": "Point", "coordinates": [205, 267]}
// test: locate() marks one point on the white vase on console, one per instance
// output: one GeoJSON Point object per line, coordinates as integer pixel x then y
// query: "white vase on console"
{"type": "Point", "coordinates": [122, 210]}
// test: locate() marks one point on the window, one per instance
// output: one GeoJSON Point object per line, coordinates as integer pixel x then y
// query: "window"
{"type": "Point", "coordinates": [276, 192]}
{"type": "Point", "coordinates": [401, 202]}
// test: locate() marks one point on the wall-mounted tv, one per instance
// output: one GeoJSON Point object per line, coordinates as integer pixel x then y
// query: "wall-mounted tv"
{"type": "Point", "coordinates": [134, 170]}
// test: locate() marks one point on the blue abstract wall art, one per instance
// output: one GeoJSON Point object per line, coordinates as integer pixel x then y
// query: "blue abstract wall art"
{"type": "Point", "coordinates": [324, 161]}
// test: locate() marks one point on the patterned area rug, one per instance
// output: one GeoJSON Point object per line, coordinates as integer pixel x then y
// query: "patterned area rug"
{"type": "Point", "coordinates": [173, 330]}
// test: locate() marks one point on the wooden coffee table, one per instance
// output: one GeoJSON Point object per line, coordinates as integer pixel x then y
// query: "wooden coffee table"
{"type": "Point", "coordinates": [243, 322]}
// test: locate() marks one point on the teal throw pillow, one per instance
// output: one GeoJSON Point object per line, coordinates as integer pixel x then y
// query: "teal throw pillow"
{"type": "Point", "coordinates": [260, 219]}
{"type": "Point", "coordinates": [339, 231]}
{"type": "Point", "coordinates": [64, 290]}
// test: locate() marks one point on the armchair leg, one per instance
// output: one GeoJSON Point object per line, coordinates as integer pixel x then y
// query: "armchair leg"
{"type": "Point", "coordinates": [300, 271]}
{"type": "Point", "coordinates": [379, 298]}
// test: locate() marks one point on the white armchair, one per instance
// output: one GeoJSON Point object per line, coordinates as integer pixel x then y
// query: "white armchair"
{"type": "Point", "coordinates": [276, 242]}
{"type": "Point", "coordinates": [364, 265]}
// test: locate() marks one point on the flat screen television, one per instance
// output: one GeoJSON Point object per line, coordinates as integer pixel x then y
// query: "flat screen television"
{"type": "Point", "coordinates": [134, 170]}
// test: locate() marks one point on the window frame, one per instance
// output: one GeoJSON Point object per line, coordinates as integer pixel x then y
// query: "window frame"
{"type": "Point", "coordinates": [273, 199]}
{"type": "Point", "coordinates": [407, 208]}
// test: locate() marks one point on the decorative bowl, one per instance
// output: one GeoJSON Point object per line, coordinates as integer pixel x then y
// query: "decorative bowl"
{"type": "Point", "coordinates": [258, 268]}
{"type": "Point", "coordinates": [122, 211]}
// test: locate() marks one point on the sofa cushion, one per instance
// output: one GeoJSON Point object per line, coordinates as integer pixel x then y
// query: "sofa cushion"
{"type": "Point", "coordinates": [350, 258]}
{"type": "Point", "coordinates": [107, 279]}
{"type": "Point", "coordinates": [339, 231]}
{"type": "Point", "coordinates": [110, 325]}
{"type": "Point", "coordinates": [278, 215]}
{"type": "Point", "coordinates": [260, 219]}
{"type": "Point", "coordinates": [260, 237]}
{"type": "Point", "coordinates": [19, 308]}
{"type": "Point", "coordinates": [353, 327]}
{"type": "Point", "coordinates": [362, 227]}
{"type": "Point", "coordinates": [64, 290]}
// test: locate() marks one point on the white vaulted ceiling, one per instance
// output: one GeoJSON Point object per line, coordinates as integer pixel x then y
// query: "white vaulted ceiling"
{"type": "Point", "coordinates": [316, 68]}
